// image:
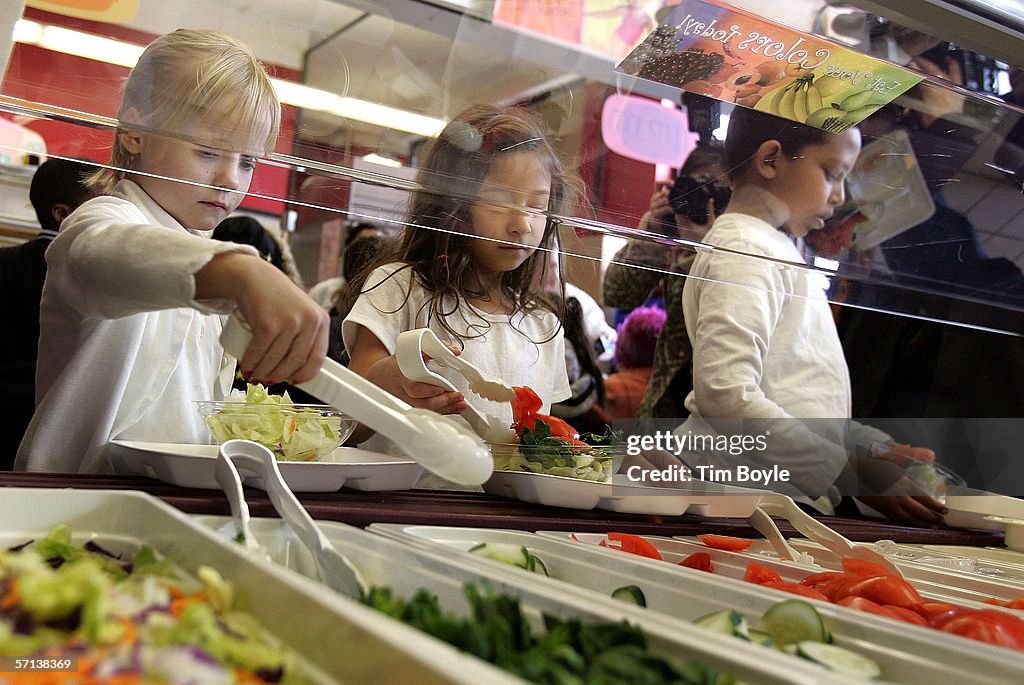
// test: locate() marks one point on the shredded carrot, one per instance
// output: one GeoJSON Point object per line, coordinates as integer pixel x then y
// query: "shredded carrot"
{"type": "Point", "coordinates": [12, 597]}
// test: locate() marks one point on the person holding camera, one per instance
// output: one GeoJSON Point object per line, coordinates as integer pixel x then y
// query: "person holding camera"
{"type": "Point", "coordinates": [686, 209]}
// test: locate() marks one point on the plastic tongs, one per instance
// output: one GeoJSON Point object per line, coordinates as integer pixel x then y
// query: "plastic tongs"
{"type": "Point", "coordinates": [441, 445]}
{"type": "Point", "coordinates": [816, 531]}
{"type": "Point", "coordinates": [763, 524]}
{"type": "Point", "coordinates": [409, 350]}
{"type": "Point", "coordinates": [244, 456]}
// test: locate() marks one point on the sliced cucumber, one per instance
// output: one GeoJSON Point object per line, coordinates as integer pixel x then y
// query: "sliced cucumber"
{"type": "Point", "coordinates": [514, 555]}
{"type": "Point", "coordinates": [726, 622]}
{"type": "Point", "coordinates": [761, 637]}
{"type": "Point", "coordinates": [794, 620]}
{"type": "Point", "coordinates": [839, 660]}
{"type": "Point", "coordinates": [631, 594]}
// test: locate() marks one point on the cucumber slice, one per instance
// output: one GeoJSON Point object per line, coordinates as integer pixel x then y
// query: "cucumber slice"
{"type": "Point", "coordinates": [761, 637]}
{"type": "Point", "coordinates": [631, 594]}
{"type": "Point", "coordinates": [536, 565]}
{"type": "Point", "coordinates": [794, 620]}
{"type": "Point", "coordinates": [839, 660]}
{"type": "Point", "coordinates": [726, 622]}
{"type": "Point", "coordinates": [515, 555]}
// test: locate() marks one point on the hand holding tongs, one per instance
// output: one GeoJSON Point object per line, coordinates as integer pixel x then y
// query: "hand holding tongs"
{"type": "Point", "coordinates": [435, 441]}
{"type": "Point", "coordinates": [816, 531]}
{"type": "Point", "coordinates": [256, 460]}
{"type": "Point", "coordinates": [409, 351]}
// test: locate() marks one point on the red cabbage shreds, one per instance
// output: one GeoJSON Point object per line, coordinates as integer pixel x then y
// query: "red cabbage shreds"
{"type": "Point", "coordinates": [18, 548]}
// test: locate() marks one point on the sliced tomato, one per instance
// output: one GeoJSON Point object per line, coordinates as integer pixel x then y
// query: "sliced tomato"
{"type": "Point", "coordinates": [863, 567]}
{"type": "Point", "coordinates": [795, 589]}
{"type": "Point", "coordinates": [987, 625]}
{"type": "Point", "coordinates": [559, 428]}
{"type": "Point", "coordinates": [634, 544]}
{"type": "Point", "coordinates": [759, 574]}
{"type": "Point", "coordinates": [1016, 603]}
{"type": "Point", "coordinates": [700, 561]}
{"type": "Point", "coordinates": [865, 605]}
{"type": "Point", "coordinates": [886, 590]}
{"type": "Point", "coordinates": [725, 542]}
{"type": "Point", "coordinates": [837, 589]}
{"type": "Point", "coordinates": [525, 404]}
{"type": "Point", "coordinates": [817, 580]}
{"type": "Point", "coordinates": [904, 614]}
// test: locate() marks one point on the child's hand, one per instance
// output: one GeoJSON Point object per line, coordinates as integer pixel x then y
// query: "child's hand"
{"type": "Point", "coordinates": [289, 330]}
{"type": "Point", "coordinates": [911, 510]}
{"type": "Point", "coordinates": [386, 374]}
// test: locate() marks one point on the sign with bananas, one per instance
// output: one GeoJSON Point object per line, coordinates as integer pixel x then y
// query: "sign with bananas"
{"type": "Point", "coordinates": [734, 56]}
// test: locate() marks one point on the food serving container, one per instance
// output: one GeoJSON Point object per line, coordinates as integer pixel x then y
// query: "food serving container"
{"type": "Point", "coordinates": [406, 568]}
{"type": "Point", "coordinates": [339, 640]}
{"type": "Point", "coordinates": [585, 462]}
{"type": "Point", "coordinates": [677, 595]}
{"type": "Point", "coordinates": [293, 432]}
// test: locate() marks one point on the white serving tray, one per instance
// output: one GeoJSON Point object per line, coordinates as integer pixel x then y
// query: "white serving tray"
{"type": "Point", "coordinates": [192, 466]}
{"type": "Point", "coordinates": [406, 568]}
{"type": "Point", "coordinates": [624, 496]}
{"type": "Point", "coordinates": [999, 555]}
{"type": "Point", "coordinates": [341, 640]}
{"type": "Point", "coordinates": [919, 655]}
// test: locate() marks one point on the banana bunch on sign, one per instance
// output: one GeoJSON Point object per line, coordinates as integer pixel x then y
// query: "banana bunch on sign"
{"type": "Point", "coordinates": [821, 101]}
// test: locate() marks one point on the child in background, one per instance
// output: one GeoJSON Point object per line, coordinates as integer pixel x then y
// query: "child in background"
{"type": "Point", "coordinates": [634, 357]}
{"type": "Point", "coordinates": [767, 358]}
{"type": "Point", "coordinates": [133, 302]}
{"type": "Point", "coordinates": [466, 265]}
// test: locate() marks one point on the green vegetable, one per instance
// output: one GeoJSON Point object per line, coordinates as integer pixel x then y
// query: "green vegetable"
{"type": "Point", "coordinates": [630, 593]}
{"type": "Point", "coordinates": [793, 621]}
{"type": "Point", "coordinates": [726, 622]}
{"type": "Point", "coordinates": [514, 555]}
{"type": "Point", "coordinates": [838, 659]}
{"type": "Point", "coordinates": [568, 652]}
{"type": "Point", "coordinates": [293, 433]}
{"type": "Point", "coordinates": [540, 452]}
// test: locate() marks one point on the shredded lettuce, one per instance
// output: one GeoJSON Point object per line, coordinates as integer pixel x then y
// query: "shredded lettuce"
{"type": "Point", "coordinates": [292, 433]}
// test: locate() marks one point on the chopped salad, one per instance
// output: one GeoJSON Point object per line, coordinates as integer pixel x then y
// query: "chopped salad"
{"type": "Point", "coordinates": [293, 432]}
{"type": "Point", "coordinates": [129, 620]}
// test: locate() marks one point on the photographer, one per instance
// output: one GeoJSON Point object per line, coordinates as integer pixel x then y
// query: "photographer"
{"type": "Point", "coordinates": [685, 209]}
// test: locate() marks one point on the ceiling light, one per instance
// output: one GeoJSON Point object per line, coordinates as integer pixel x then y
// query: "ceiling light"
{"type": "Point", "coordinates": [374, 158]}
{"type": "Point", "coordinates": [90, 46]}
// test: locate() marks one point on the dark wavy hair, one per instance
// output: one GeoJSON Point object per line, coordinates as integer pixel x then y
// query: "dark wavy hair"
{"type": "Point", "coordinates": [438, 234]}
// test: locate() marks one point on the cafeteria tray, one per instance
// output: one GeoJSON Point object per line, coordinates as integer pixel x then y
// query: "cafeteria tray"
{"type": "Point", "coordinates": [624, 496]}
{"type": "Point", "coordinates": [907, 654]}
{"type": "Point", "coordinates": [405, 568]}
{"type": "Point", "coordinates": [1001, 555]}
{"type": "Point", "coordinates": [338, 639]}
{"type": "Point", "coordinates": [191, 466]}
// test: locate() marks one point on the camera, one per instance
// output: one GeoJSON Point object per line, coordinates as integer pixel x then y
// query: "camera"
{"type": "Point", "coordinates": [689, 197]}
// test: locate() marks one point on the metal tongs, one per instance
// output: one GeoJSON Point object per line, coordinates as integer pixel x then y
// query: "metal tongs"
{"type": "Point", "coordinates": [441, 445]}
{"type": "Point", "coordinates": [237, 457]}
{"type": "Point", "coordinates": [409, 350]}
{"type": "Point", "coordinates": [816, 531]}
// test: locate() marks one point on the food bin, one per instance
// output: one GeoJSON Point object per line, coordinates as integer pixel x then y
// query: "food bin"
{"type": "Point", "coordinates": [405, 568]}
{"type": "Point", "coordinates": [338, 639]}
{"type": "Point", "coordinates": [907, 654]}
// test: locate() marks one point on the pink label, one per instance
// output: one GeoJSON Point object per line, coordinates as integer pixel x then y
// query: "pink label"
{"type": "Point", "coordinates": [645, 130]}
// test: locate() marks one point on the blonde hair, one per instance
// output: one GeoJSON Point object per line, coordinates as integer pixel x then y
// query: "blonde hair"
{"type": "Point", "coordinates": [185, 75]}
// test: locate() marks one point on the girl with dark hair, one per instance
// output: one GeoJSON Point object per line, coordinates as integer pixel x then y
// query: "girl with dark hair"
{"type": "Point", "coordinates": [473, 247]}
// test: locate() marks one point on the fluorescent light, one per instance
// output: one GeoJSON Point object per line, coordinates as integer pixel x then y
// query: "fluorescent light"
{"type": "Point", "coordinates": [81, 44]}
{"type": "Point", "coordinates": [374, 158]}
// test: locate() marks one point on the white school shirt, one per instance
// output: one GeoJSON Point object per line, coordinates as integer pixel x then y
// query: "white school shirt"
{"type": "Point", "coordinates": [527, 349]}
{"type": "Point", "coordinates": [124, 348]}
{"type": "Point", "coordinates": [766, 350]}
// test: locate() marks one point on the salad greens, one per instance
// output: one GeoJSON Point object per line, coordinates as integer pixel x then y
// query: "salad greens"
{"type": "Point", "coordinates": [541, 452]}
{"type": "Point", "coordinates": [130, 620]}
{"type": "Point", "coordinates": [568, 652]}
{"type": "Point", "coordinates": [292, 433]}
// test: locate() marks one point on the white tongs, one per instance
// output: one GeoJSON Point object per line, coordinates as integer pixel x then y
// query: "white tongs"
{"type": "Point", "coordinates": [816, 531]}
{"type": "Point", "coordinates": [237, 457]}
{"type": "Point", "coordinates": [441, 445]}
{"type": "Point", "coordinates": [409, 350]}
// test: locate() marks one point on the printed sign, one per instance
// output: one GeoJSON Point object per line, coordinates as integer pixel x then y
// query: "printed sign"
{"type": "Point", "coordinates": [644, 130]}
{"type": "Point", "coordinates": [738, 57]}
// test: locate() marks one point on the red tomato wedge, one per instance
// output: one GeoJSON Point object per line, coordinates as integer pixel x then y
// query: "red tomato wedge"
{"type": "Point", "coordinates": [865, 605]}
{"type": "Point", "coordinates": [559, 428]}
{"type": "Point", "coordinates": [904, 614]}
{"type": "Point", "coordinates": [863, 567]}
{"type": "Point", "coordinates": [885, 590]}
{"type": "Point", "coordinates": [634, 544]}
{"type": "Point", "coordinates": [795, 589]}
{"type": "Point", "coordinates": [525, 404]}
{"type": "Point", "coordinates": [725, 542]}
{"type": "Point", "coordinates": [988, 625]}
{"type": "Point", "coordinates": [818, 580]}
{"type": "Point", "coordinates": [760, 574]}
{"type": "Point", "coordinates": [700, 561]}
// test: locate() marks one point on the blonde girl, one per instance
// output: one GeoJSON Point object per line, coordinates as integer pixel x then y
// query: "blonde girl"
{"type": "Point", "coordinates": [475, 244]}
{"type": "Point", "coordinates": [132, 308]}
